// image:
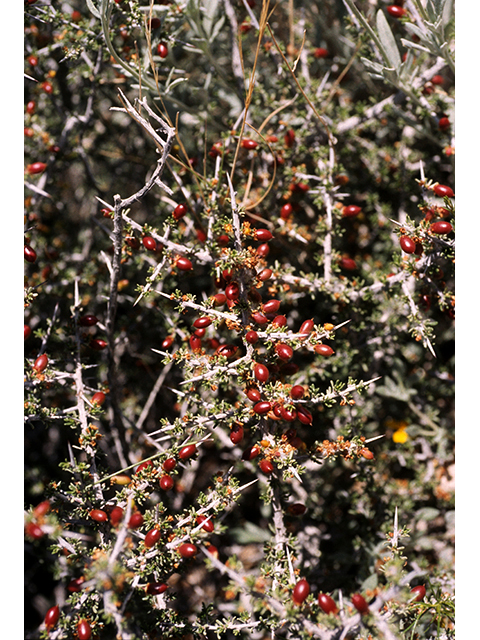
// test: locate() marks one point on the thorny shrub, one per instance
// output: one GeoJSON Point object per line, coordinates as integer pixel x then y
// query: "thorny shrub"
{"type": "Point", "coordinates": [239, 319]}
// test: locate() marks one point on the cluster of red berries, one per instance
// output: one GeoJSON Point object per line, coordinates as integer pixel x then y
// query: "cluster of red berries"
{"type": "Point", "coordinates": [301, 592]}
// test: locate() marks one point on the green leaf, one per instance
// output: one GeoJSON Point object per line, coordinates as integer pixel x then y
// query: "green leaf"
{"type": "Point", "coordinates": [447, 12]}
{"type": "Point", "coordinates": [93, 9]}
{"type": "Point", "coordinates": [388, 41]}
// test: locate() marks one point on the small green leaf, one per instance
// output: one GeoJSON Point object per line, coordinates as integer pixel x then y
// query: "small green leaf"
{"type": "Point", "coordinates": [93, 9]}
{"type": "Point", "coordinates": [388, 41]}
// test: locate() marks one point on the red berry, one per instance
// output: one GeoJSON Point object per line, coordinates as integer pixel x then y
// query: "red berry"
{"type": "Point", "coordinates": [32, 60]}
{"type": "Point", "coordinates": [155, 23]}
{"type": "Point", "coordinates": [149, 243]}
{"type": "Point", "coordinates": [283, 351]}
{"type": "Point", "coordinates": [264, 235]}
{"type": "Point", "coordinates": [167, 342]}
{"type": "Point", "coordinates": [306, 327]}
{"type": "Point", "coordinates": [441, 227]}
{"type": "Point", "coordinates": [301, 591]}
{"type": "Point", "coordinates": [249, 144]}
{"type": "Point", "coordinates": [280, 321]}
{"type": "Point", "coordinates": [183, 263]}
{"type": "Point", "coordinates": [265, 274]}
{"type": "Point", "coordinates": [166, 482]}
{"type": "Point", "coordinates": [52, 616]}
{"type": "Point", "coordinates": [31, 106]}
{"type": "Point", "coordinates": [187, 452]}
{"type": "Point", "coordinates": [207, 524]}
{"type": "Point", "coordinates": [169, 464]}
{"type": "Point", "coordinates": [407, 244]}
{"type": "Point", "coordinates": [296, 509]}
{"type": "Point", "coordinates": [251, 337]}
{"type": "Point", "coordinates": [41, 509]}
{"type": "Point", "coordinates": [216, 150]}
{"type": "Point", "coordinates": [84, 630]}
{"type": "Point", "coordinates": [263, 250]}
{"type": "Point", "coordinates": [47, 87]}
{"type": "Point", "coordinates": [201, 323]}
{"type": "Point", "coordinates": [219, 299]}
{"type": "Point", "coordinates": [297, 392]}
{"type": "Point", "coordinates": [324, 350]}
{"type": "Point", "coordinates": [29, 254]}
{"type": "Point", "coordinates": [213, 550]}
{"type": "Point", "coordinates": [253, 394]}
{"type": "Point", "coordinates": [187, 550]}
{"type": "Point", "coordinates": [286, 211]}
{"type": "Point", "coordinates": [75, 585]}
{"type": "Point", "coordinates": [443, 124]}
{"type": "Point", "coordinates": [327, 603]}
{"type": "Point", "coordinates": [195, 343]}
{"type": "Point", "coordinates": [136, 520]}
{"type": "Point", "coordinates": [251, 453]}
{"type": "Point", "coordinates": [366, 453]}
{"type": "Point", "coordinates": [131, 241]}
{"type": "Point", "coordinates": [272, 306]}
{"type": "Point", "coordinates": [419, 593]}
{"type": "Point", "coordinates": [395, 11]}
{"type": "Point", "coordinates": [152, 537]}
{"type": "Point", "coordinates": [143, 466]}
{"type": "Point", "coordinates": [259, 318]}
{"type": "Point", "coordinates": [156, 588]}
{"type": "Point", "coordinates": [262, 407]}
{"type": "Point", "coordinates": [36, 167]}
{"type": "Point", "coordinates": [40, 363]}
{"type": "Point", "coordinates": [288, 414]}
{"type": "Point", "coordinates": [351, 211]}
{"type": "Point", "coordinates": [348, 263]}
{"type": "Point", "coordinates": [34, 531]}
{"type": "Point", "coordinates": [179, 211]}
{"type": "Point", "coordinates": [304, 415]}
{"type": "Point", "coordinates": [289, 138]}
{"type": "Point", "coordinates": [236, 433]}
{"type": "Point", "coordinates": [162, 50]}
{"type": "Point", "coordinates": [98, 398]}
{"type": "Point", "coordinates": [232, 291]}
{"type": "Point", "coordinates": [266, 466]}
{"type": "Point", "coordinates": [442, 190]}
{"type": "Point", "coordinates": [437, 79]}
{"type": "Point", "coordinates": [98, 515]}
{"type": "Point", "coordinates": [227, 350]}
{"type": "Point", "coordinates": [223, 240]}
{"type": "Point", "coordinates": [27, 332]}
{"type": "Point", "coordinates": [116, 516]}
{"type": "Point", "coordinates": [359, 603]}
{"type": "Point", "coordinates": [87, 321]}
{"type": "Point", "coordinates": [320, 52]}
{"type": "Point", "coordinates": [98, 344]}
{"type": "Point", "coordinates": [245, 27]}
{"type": "Point", "coordinates": [261, 372]}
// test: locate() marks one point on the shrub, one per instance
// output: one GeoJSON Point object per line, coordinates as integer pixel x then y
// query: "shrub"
{"type": "Point", "coordinates": [239, 319]}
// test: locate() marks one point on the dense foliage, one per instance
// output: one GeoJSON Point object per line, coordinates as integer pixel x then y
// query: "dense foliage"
{"type": "Point", "coordinates": [239, 319]}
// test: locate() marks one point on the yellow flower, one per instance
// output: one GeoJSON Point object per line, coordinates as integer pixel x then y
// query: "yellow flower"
{"type": "Point", "coordinates": [400, 435]}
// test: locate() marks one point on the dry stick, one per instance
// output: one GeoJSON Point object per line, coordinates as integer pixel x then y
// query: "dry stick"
{"type": "Point", "coordinates": [327, 244]}
{"type": "Point", "coordinates": [280, 531]}
{"type": "Point", "coordinates": [263, 23]}
{"type": "Point", "coordinates": [237, 66]}
{"type": "Point", "coordinates": [311, 105]}
{"type": "Point", "coordinates": [153, 394]}
{"type": "Point", "coordinates": [115, 271]}
{"type": "Point", "coordinates": [80, 393]}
